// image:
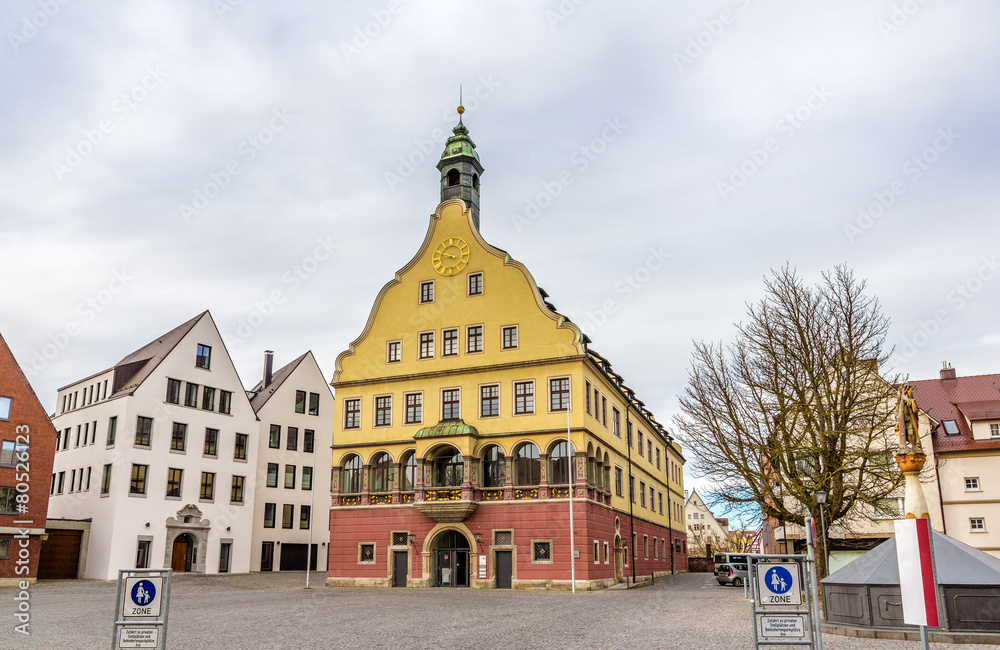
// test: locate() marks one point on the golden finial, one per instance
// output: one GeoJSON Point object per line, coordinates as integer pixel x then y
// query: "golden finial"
{"type": "Point", "coordinates": [461, 109]}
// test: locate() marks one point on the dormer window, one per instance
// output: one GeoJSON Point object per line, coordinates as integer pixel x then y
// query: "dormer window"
{"type": "Point", "coordinates": [453, 177]}
{"type": "Point", "coordinates": [950, 427]}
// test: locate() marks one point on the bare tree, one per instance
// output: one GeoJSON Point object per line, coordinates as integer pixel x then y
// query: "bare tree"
{"type": "Point", "coordinates": [796, 403]}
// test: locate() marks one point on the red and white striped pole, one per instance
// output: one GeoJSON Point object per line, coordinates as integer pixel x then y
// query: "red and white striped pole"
{"type": "Point", "coordinates": [917, 584]}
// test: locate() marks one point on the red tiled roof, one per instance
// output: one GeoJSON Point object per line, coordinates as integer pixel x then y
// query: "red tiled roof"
{"type": "Point", "coordinates": [942, 399]}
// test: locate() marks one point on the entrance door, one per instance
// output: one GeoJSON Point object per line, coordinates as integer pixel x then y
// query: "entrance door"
{"type": "Point", "coordinates": [451, 560]}
{"type": "Point", "coordinates": [267, 556]}
{"type": "Point", "coordinates": [181, 558]}
{"type": "Point", "coordinates": [504, 569]}
{"type": "Point", "coordinates": [619, 557]}
{"type": "Point", "coordinates": [400, 567]}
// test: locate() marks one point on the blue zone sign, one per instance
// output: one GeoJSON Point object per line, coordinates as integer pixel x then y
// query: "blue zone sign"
{"type": "Point", "coordinates": [142, 597]}
{"type": "Point", "coordinates": [778, 584]}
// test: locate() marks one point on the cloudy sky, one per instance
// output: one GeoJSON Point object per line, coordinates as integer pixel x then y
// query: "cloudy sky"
{"type": "Point", "coordinates": [648, 161]}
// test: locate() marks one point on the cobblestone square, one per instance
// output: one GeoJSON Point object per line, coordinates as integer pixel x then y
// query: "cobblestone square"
{"type": "Point", "coordinates": [263, 611]}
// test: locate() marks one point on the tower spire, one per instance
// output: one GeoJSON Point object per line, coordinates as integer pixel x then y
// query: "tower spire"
{"type": "Point", "coordinates": [460, 167]}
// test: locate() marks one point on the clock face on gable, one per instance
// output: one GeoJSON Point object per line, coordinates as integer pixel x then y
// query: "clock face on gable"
{"type": "Point", "coordinates": [450, 256]}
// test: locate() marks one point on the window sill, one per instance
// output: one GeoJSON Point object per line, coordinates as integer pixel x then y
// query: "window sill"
{"type": "Point", "coordinates": [236, 503]}
{"type": "Point", "coordinates": [206, 500]}
{"type": "Point", "coordinates": [168, 498]}
{"type": "Point", "coordinates": [136, 495]}
{"type": "Point", "coordinates": [105, 495]}
{"type": "Point", "coordinates": [178, 451]}
{"type": "Point", "coordinates": [146, 447]}
{"type": "Point", "coordinates": [240, 460]}
{"type": "Point", "coordinates": [213, 456]}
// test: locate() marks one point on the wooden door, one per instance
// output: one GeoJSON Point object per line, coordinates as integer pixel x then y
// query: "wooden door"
{"type": "Point", "coordinates": [400, 568]}
{"type": "Point", "coordinates": [178, 559]}
{"type": "Point", "coordinates": [504, 569]}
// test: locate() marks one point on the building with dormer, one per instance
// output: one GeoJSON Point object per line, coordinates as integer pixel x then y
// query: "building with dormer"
{"type": "Point", "coordinates": [472, 417]}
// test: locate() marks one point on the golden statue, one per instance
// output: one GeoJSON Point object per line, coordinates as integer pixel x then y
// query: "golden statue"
{"type": "Point", "coordinates": [907, 424]}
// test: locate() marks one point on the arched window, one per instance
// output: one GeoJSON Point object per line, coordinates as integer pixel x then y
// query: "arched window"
{"type": "Point", "coordinates": [607, 471]}
{"type": "Point", "coordinates": [381, 473]}
{"type": "Point", "coordinates": [353, 469]}
{"type": "Point", "coordinates": [453, 177]}
{"type": "Point", "coordinates": [561, 463]}
{"type": "Point", "coordinates": [475, 182]}
{"type": "Point", "coordinates": [527, 465]}
{"type": "Point", "coordinates": [408, 469]}
{"type": "Point", "coordinates": [494, 469]}
{"type": "Point", "coordinates": [591, 465]}
{"type": "Point", "coordinates": [448, 468]}
{"type": "Point", "coordinates": [599, 469]}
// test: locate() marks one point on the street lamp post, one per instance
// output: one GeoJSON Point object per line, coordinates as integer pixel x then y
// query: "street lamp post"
{"type": "Point", "coordinates": [821, 496]}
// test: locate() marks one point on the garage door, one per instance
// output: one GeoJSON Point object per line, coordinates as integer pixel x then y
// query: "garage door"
{"type": "Point", "coordinates": [60, 555]}
{"type": "Point", "coordinates": [293, 557]}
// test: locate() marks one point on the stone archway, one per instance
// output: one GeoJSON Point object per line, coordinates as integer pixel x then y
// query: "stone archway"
{"type": "Point", "coordinates": [428, 552]}
{"type": "Point", "coordinates": [188, 522]}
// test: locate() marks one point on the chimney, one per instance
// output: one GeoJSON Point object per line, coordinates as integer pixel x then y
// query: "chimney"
{"type": "Point", "coordinates": [685, 495]}
{"type": "Point", "coordinates": [947, 372]}
{"type": "Point", "coordinates": [268, 367]}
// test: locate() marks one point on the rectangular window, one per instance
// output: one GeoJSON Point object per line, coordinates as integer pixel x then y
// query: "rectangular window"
{"type": "Point", "coordinates": [269, 511]}
{"type": "Point", "coordinates": [559, 394]}
{"type": "Point", "coordinates": [995, 429]}
{"type": "Point", "coordinates": [618, 482]}
{"type": "Point", "coordinates": [174, 482]}
{"type": "Point", "coordinates": [652, 493]}
{"type": "Point", "coordinates": [9, 452]}
{"type": "Point", "coordinates": [475, 284]}
{"type": "Point", "coordinates": [8, 500]}
{"type": "Point", "coordinates": [642, 493]}
{"type": "Point", "coordinates": [352, 413]}
{"type": "Point", "coordinates": [393, 351]}
{"type": "Point", "coordinates": [304, 513]}
{"type": "Point", "coordinates": [649, 449]}
{"type": "Point", "coordinates": [510, 337]}
{"type": "Point", "coordinates": [178, 438]}
{"type": "Point", "coordinates": [138, 482]}
{"type": "Point", "coordinates": [106, 480]}
{"type": "Point", "coordinates": [204, 357]}
{"type": "Point", "coordinates": [449, 343]}
{"type": "Point", "coordinates": [660, 498]}
{"type": "Point", "coordinates": [972, 483]}
{"type": "Point", "coordinates": [631, 487]}
{"type": "Point", "coordinates": [628, 432]}
{"type": "Point", "coordinates": [641, 453]}
{"type": "Point", "coordinates": [426, 345]}
{"type": "Point", "coordinates": [225, 401]}
{"type": "Point", "coordinates": [292, 439]}
{"type": "Point", "coordinates": [586, 393]}
{"type": "Point", "coordinates": [657, 458]}
{"type": "Point", "coordinates": [604, 410]}
{"type": "Point", "coordinates": [289, 477]}
{"type": "Point", "coordinates": [450, 404]}
{"type": "Point", "coordinates": [616, 421]}
{"type": "Point", "coordinates": [207, 492]}
{"type": "Point", "coordinates": [142, 554]}
{"type": "Point", "coordinates": [541, 552]}
{"type": "Point", "coordinates": [950, 427]}
{"type": "Point", "coordinates": [427, 291]}
{"type": "Point", "coordinates": [300, 401]}
{"type": "Point", "coordinates": [597, 396]}
{"type": "Point", "coordinates": [383, 410]}
{"type": "Point", "coordinates": [607, 554]}
{"type": "Point", "coordinates": [597, 552]}
{"type": "Point", "coordinates": [191, 395]}
{"type": "Point", "coordinates": [236, 495]}
{"type": "Point", "coordinates": [240, 450]}
{"type": "Point", "coordinates": [274, 437]}
{"type": "Point", "coordinates": [473, 339]}
{"type": "Point", "coordinates": [173, 391]}
{"type": "Point", "coordinates": [208, 399]}
{"type": "Point", "coordinates": [414, 408]}
{"type": "Point", "coordinates": [307, 478]}
{"type": "Point", "coordinates": [977, 524]}
{"type": "Point", "coordinates": [287, 515]}
{"type": "Point", "coordinates": [524, 397]}
{"type": "Point", "coordinates": [211, 442]}
{"type": "Point", "coordinates": [62, 481]}
{"type": "Point", "coordinates": [366, 554]}
{"type": "Point", "coordinates": [272, 475]}
{"type": "Point", "coordinates": [308, 441]}
{"type": "Point", "coordinates": [112, 430]}
{"type": "Point", "coordinates": [313, 403]}
{"type": "Point", "coordinates": [225, 550]}
{"type": "Point", "coordinates": [645, 547]}
{"type": "Point", "coordinates": [143, 431]}
{"type": "Point", "coordinates": [5, 403]}
{"type": "Point", "coordinates": [489, 401]}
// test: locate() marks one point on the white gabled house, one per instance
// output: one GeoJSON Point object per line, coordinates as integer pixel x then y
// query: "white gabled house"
{"type": "Point", "coordinates": [292, 498]}
{"type": "Point", "coordinates": [160, 453]}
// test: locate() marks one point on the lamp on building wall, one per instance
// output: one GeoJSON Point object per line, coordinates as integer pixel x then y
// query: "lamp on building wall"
{"type": "Point", "coordinates": [413, 539]}
{"type": "Point", "coordinates": [479, 538]}
{"type": "Point", "coordinates": [821, 496]}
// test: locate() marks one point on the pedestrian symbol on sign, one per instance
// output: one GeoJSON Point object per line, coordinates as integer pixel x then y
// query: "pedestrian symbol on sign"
{"type": "Point", "coordinates": [778, 579]}
{"type": "Point", "coordinates": [143, 592]}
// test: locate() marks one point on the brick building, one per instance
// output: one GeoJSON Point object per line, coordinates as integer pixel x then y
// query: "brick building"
{"type": "Point", "coordinates": [27, 445]}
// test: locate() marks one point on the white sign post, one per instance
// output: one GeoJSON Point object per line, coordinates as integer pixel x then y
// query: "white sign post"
{"type": "Point", "coordinates": [780, 613]}
{"type": "Point", "coordinates": [141, 609]}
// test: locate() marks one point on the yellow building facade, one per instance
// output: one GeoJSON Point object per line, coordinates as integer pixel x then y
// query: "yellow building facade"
{"type": "Point", "coordinates": [450, 454]}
